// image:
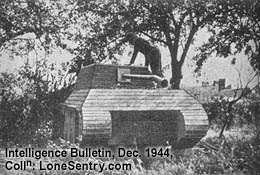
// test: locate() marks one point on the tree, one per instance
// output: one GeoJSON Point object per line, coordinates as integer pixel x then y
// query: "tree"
{"type": "Point", "coordinates": [30, 102]}
{"type": "Point", "coordinates": [171, 23]}
{"type": "Point", "coordinates": [235, 30]}
{"type": "Point", "coordinates": [26, 25]}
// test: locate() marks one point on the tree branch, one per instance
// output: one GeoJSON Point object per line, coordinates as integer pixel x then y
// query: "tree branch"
{"type": "Point", "coordinates": [173, 19]}
{"type": "Point", "coordinates": [188, 43]}
{"type": "Point", "coordinates": [244, 93]}
{"type": "Point", "coordinates": [183, 17]}
{"type": "Point", "coordinates": [155, 39]}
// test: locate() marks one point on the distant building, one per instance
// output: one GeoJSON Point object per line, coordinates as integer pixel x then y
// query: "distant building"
{"type": "Point", "coordinates": [221, 84]}
{"type": "Point", "coordinates": [206, 92]}
{"type": "Point", "coordinates": [205, 84]}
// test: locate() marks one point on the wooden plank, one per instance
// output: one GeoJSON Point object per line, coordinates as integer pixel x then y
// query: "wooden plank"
{"type": "Point", "coordinates": [163, 99]}
{"type": "Point", "coordinates": [124, 92]}
{"type": "Point", "coordinates": [112, 95]}
{"type": "Point", "coordinates": [108, 75]}
{"type": "Point", "coordinates": [193, 137]}
{"type": "Point", "coordinates": [72, 134]}
{"type": "Point", "coordinates": [191, 113]}
{"type": "Point", "coordinates": [80, 91]}
{"type": "Point", "coordinates": [188, 117]}
{"type": "Point", "coordinates": [196, 134]}
{"type": "Point", "coordinates": [79, 94]}
{"type": "Point", "coordinates": [80, 123]}
{"type": "Point", "coordinates": [65, 134]}
{"type": "Point", "coordinates": [97, 122]}
{"type": "Point", "coordinates": [96, 125]}
{"type": "Point", "coordinates": [106, 131]}
{"type": "Point", "coordinates": [97, 113]}
{"type": "Point", "coordinates": [143, 102]}
{"type": "Point", "coordinates": [107, 114]}
{"type": "Point", "coordinates": [201, 133]}
{"type": "Point", "coordinates": [137, 107]}
{"type": "Point", "coordinates": [196, 127]}
{"type": "Point", "coordinates": [136, 97]}
{"type": "Point", "coordinates": [101, 83]}
{"type": "Point", "coordinates": [198, 122]}
{"type": "Point", "coordinates": [195, 118]}
{"type": "Point", "coordinates": [96, 137]}
{"type": "Point", "coordinates": [157, 104]}
{"type": "Point", "coordinates": [95, 129]}
{"type": "Point", "coordinates": [80, 99]}
{"type": "Point", "coordinates": [74, 101]}
{"type": "Point", "coordinates": [76, 104]}
{"type": "Point", "coordinates": [158, 92]}
{"type": "Point", "coordinates": [96, 117]}
{"type": "Point", "coordinates": [76, 98]}
{"type": "Point", "coordinates": [129, 99]}
{"type": "Point", "coordinates": [84, 84]}
{"type": "Point", "coordinates": [143, 90]}
{"type": "Point", "coordinates": [77, 127]}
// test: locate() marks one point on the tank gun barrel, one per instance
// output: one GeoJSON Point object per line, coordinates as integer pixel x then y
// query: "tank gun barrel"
{"type": "Point", "coordinates": [161, 81]}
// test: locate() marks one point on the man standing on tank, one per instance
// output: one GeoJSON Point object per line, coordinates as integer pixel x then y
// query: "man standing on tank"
{"type": "Point", "coordinates": [152, 54]}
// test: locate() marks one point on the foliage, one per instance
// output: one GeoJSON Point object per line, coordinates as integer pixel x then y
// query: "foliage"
{"type": "Point", "coordinates": [30, 104]}
{"type": "Point", "coordinates": [92, 30]}
{"type": "Point", "coordinates": [235, 155]}
{"type": "Point", "coordinates": [248, 156]}
{"type": "Point", "coordinates": [235, 30]}
{"type": "Point", "coordinates": [171, 23]}
{"type": "Point", "coordinates": [242, 113]}
{"type": "Point", "coordinates": [241, 150]}
{"type": "Point", "coordinates": [31, 25]}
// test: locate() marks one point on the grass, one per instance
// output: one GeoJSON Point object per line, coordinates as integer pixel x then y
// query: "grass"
{"type": "Point", "coordinates": [236, 154]}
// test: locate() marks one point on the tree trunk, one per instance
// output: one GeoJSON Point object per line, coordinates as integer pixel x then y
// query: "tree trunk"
{"type": "Point", "coordinates": [176, 75]}
{"type": "Point", "coordinates": [176, 66]}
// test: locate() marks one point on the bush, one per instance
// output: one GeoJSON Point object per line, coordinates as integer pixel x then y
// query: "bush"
{"type": "Point", "coordinates": [242, 112]}
{"type": "Point", "coordinates": [30, 105]}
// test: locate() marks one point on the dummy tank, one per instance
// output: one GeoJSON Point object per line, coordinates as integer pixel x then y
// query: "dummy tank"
{"type": "Point", "coordinates": [122, 105]}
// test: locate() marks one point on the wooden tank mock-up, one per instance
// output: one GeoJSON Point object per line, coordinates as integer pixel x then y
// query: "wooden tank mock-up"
{"type": "Point", "coordinates": [122, 105]}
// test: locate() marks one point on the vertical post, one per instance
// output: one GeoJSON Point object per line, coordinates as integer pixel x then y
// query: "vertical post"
{"type": "Point", "coordinates": [80, 126]}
